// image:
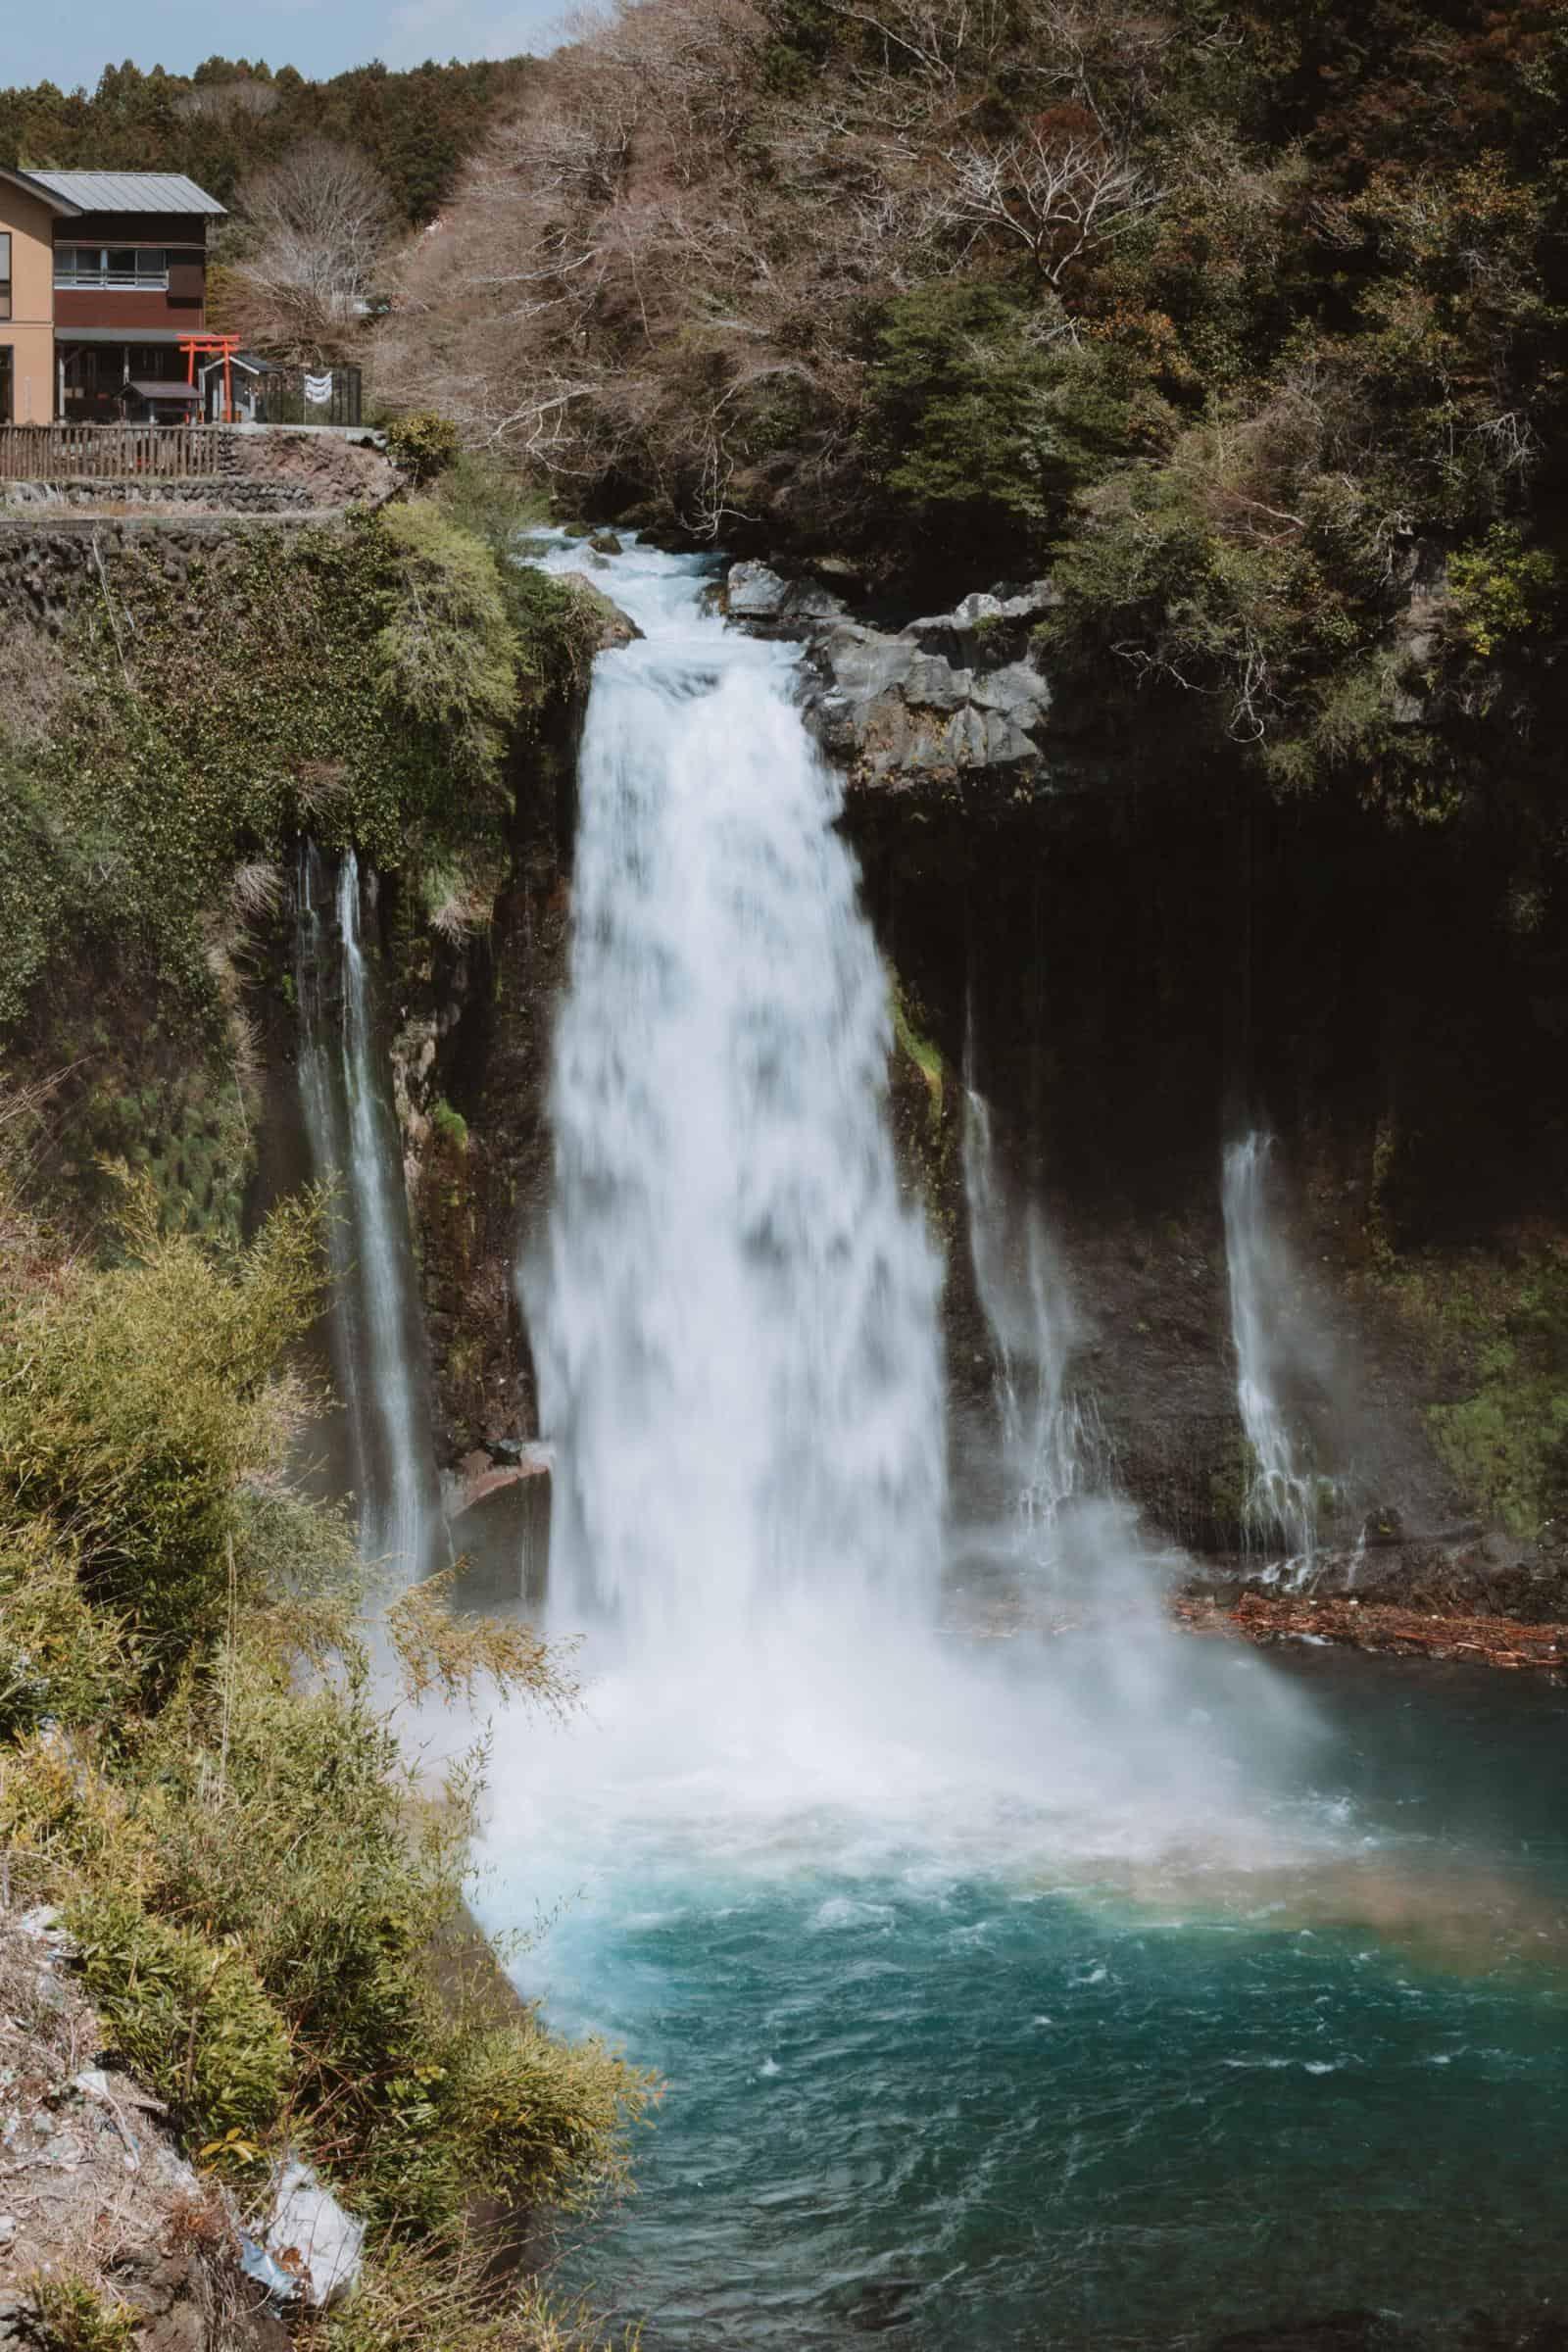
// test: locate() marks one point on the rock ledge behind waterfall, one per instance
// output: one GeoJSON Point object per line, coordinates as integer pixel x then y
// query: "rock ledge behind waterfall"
{"type": "Point", "coordinates": [953, 700]}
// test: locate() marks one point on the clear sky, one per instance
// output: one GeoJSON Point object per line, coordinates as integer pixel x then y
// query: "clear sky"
{"type": "Point", "coordinates": [71, 44]}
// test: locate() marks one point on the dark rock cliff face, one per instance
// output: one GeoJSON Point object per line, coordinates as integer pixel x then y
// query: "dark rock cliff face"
{"type": "Point", "coordinates": [475, 1040]}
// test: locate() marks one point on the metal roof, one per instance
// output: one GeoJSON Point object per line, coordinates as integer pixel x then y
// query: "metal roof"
{"type": "Point", "coordinates": [129, 192]}
{"type": "Point", "coordinates": [31, 186]}
{"type": "Point", "coordinates": [123, 334]}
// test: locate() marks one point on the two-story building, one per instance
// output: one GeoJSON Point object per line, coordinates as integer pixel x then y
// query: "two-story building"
{"type": "Point", "coordinates": [103, 275]}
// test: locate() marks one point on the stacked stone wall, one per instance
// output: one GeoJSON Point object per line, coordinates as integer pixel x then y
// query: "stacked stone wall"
{"type": "Point", "coordinates": [43, 567]}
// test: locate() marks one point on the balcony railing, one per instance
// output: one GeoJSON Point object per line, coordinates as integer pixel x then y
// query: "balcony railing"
{"type": "Point", "coordinates": [107, 452]}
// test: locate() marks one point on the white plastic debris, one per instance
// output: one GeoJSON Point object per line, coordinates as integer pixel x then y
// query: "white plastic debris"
{"type": "Point", "coordinates": [311, 2237]}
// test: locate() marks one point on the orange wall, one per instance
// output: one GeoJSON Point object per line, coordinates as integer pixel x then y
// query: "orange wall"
{"type": "Point", "coordinates": [29, 329]}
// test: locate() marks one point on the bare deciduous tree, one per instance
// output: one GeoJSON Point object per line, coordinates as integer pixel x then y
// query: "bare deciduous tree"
{"type": "Point", "coordinates": [663, 266]}
{"type": "Point", "coordinates": [1057, 197]}
{"type": "Point", "coordinates": [313, 230]}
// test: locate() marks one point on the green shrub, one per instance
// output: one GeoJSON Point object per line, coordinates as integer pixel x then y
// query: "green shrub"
{"type": "Point", "coordinates": [540, 2121]}
{"type": "Point", "coordinates": [61, 1661]}
{"type": "Point", "coordinates": [444, 651]}
{"type": "Point", "coordinates": [423, 444]}
{"type": "Point", "coordinates": [1505, 593]}
{"type": "Point", "coordinates": [135, 1402]}
{"type": "Point", "coordinates": [73, 2317]}
{"type": "Point", "coordinates": [186, 2014]}
{"type": "Point", "coordinates": [200, 1768]}
{"type": "Point", "coordinates": [555, 630]}
{"type": "Point", "coordinates": [490, 501]}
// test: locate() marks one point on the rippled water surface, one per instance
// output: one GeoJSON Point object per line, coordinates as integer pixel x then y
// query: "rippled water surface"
{"type": "Point", "coordinates": [1140, 2103]}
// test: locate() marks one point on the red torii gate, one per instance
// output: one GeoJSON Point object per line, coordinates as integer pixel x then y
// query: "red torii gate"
{"type": "Point", "coordinates": [214, 347]}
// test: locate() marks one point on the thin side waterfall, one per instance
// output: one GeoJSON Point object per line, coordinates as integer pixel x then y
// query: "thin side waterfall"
{"type": "Point", "coordinates": [1047, 1436]}
{"type": "Point", "coordinates": [377, 1335]}
{"type": "Point", "coordinates": [1283, 1494]}
{"type": "Point", "coordinates": [735, 1316]}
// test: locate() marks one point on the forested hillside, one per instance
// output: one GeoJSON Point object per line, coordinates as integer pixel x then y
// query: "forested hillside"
{"type": "Point", "coordinates": [231, 116]}
{"type": "Point", "coordinates": [1246, 321]}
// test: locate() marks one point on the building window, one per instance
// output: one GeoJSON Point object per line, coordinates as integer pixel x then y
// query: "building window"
{"type": "Point", "coordinates": [115, 266]}
{"type": "Point", "coordinates": [5, 272]}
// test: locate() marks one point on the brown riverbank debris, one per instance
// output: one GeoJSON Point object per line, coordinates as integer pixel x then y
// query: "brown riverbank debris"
{"type": "Point", "coordinates": [1260, 1617]}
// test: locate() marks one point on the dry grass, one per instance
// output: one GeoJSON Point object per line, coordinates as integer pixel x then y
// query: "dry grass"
{"type": "Point", "coordinates": [38, 677]}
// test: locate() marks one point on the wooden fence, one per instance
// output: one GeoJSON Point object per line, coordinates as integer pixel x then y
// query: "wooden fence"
{"type": "Point", "coordinates": [107, 452]}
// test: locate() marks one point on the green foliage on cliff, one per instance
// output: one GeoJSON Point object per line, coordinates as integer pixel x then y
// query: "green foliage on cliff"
{"type": "Point", "coordinates": [377, 684]}
{"type": "Point", "coordinates": [446, 653]}
{"type": "Point", "coordinates": [360, 684]}
{"type": "Point", "coordinates": [221, 714]}
{"type": "Point", "coordinates": [1496, 1329]}
{"type": "Point", "coordinates": [198, 1764]}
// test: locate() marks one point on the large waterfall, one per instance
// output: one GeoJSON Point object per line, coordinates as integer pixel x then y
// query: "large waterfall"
{"type": "Point", "coordinates": [378, 1337]}
{"type": "Point", "coordinates": [736, 1323]}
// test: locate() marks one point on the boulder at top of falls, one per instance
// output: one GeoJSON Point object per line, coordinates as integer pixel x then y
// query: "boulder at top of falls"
{"type": "Point", "coordinates": [310, 2235]}
{"type": "Point", "coordinates": [765, 603]}
{"type": "Point", "coordinates": [615, 627]}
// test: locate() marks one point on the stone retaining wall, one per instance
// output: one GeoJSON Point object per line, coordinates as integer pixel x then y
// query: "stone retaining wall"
{"type": "Point", "coordinates": [232, 495]}
{"type": "Point", "coordinates": [43, 567]}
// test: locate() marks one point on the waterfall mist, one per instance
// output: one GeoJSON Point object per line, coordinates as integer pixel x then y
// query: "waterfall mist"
{"type": "Point", "coordinates": [376, 1332]}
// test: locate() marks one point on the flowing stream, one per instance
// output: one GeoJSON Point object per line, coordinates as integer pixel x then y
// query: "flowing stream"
{"type": "Point", "coordinates": [1089, 1991]}
{"type": "Point", "coordinates": [377, 1335]}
